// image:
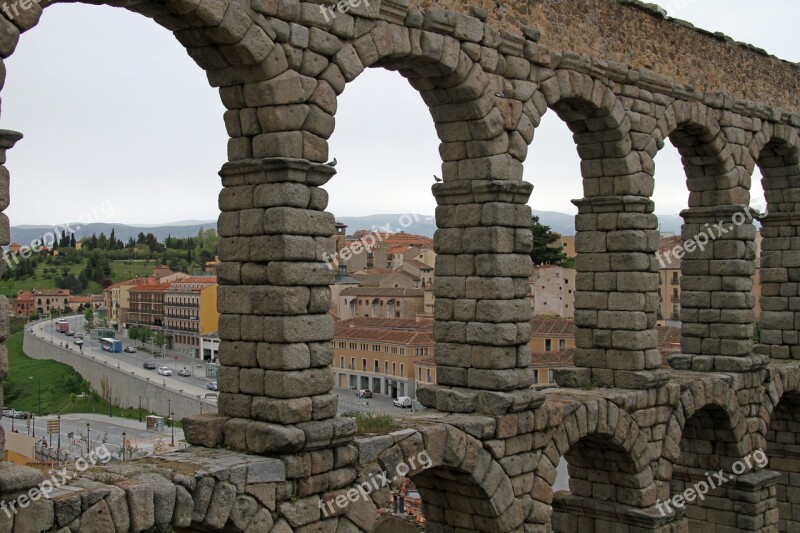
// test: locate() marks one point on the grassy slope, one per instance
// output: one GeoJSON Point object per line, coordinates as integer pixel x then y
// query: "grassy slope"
{"type": "Point", "coordinates": [120, 271]}
{"type": "Point", "coordinates": [53, 378]}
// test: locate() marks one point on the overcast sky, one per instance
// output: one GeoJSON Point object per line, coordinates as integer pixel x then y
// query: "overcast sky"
{"type": "Point", "coordinates": [113, 110]}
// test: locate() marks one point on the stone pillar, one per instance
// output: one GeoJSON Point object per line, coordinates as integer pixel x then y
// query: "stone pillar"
{"type": "Point", "coordinates": [780, 279]}
{"type": "Point", "coordinates": [274, 299]}
{"type": "Point", "coordinates": [482, 312]}
{"type": "Point", "coordinates": [717, 301]}
{"type": "Point", "coordinates": [8, 139]}
{"type": "Point", "coordinates": [617, 299]}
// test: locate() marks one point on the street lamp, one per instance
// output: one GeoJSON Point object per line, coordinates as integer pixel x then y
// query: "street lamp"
{"type": "Point", "coordinates": [172, 425]}
{"type": "Point", "coordinates": [33, 424]}
{"type": "Point", "coordinates": [169, 408]}
{"type": "Point", "coordinates": [140, 408]}
{"type": "Point", "coordinates": [58, 452]}
{"type": "Point", "coordinates": [123, 445]}
{"type": "Point", "coordinates": [88, 440]}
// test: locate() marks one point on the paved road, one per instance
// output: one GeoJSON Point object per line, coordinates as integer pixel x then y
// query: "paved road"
{"type": "Point", "coordinates": [193, 385]}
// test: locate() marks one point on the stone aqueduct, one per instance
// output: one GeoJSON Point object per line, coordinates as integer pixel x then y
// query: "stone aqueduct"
{"type": "Point", "coordinates": [634, 433]}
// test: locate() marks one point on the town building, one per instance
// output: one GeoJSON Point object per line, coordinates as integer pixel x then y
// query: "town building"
{"type": "Point", "coordinates": [552, 291]}
{"type": "Point", "coordinates": [117, 299]}
{"type": "Point", "coordinates": [46, 300]}
{"type": "Point", "coordinates": [190, 311]}
{"type": "Point", "coordinates": [549, 335]}
{"type": "Point", "coordinates": [24, 304]}
{"type": "Point", "coordinates": [147, 305]}
{"type": "Point", "coordinates": [380, 354]}
{"type": "Point", "coordinates": [380, 302]}
{"type": "Point", "coordinates": [209, 347]}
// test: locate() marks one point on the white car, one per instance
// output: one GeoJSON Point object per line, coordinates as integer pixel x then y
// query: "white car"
{"type": "Point", "coordinates": [402, 401]}
{"type": "Point", "coordinates": [164, 371]}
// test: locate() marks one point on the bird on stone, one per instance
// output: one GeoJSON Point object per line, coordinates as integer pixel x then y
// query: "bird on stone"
{"type": "Point", "coordinates": [437, 178]}
{"type": "Point", "coordinates": [332, 163]}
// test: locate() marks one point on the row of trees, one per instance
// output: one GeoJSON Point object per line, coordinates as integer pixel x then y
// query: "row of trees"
{"type": "Point", "coordinates": [147, 335]}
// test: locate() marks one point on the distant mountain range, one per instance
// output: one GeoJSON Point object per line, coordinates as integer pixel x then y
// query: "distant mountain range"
{"type": "Point", "coordinates": [426, 225]}
{"type": "Point", "coordinates": [28, 233]}
{"type": "Point", "coordinates": [418, 224]}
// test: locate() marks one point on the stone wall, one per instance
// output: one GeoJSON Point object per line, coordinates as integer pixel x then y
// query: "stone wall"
{"type": "Point", "coordinates": [126, 389]}
{"type": "Point", "coordinates": [637, 34]}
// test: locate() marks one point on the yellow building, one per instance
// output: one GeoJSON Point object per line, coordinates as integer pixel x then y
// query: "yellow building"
{"type": "Point", "coordinates": [190, 311]}
{"type": "Point", "coordinates": [381, 354]}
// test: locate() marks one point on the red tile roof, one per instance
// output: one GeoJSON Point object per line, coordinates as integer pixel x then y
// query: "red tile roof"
{"type": "Point", "coordinates": [389, 330]}
{"type": "Point", "coordinates": [419, 264]}
{"type": "Point", "coordinates": [156, 287]}
{"type": "Point", "coordinates": [382, 292]}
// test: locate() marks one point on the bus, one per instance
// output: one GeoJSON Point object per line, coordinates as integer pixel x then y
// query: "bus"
{"type": "Point", "coordinates": [62, 326]}
{"type": "Point", "coordinates": [111, 345]}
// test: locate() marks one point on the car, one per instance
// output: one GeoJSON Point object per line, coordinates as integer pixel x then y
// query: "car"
{"type": "Point", "coordinates": [9, 413]}
{"type": "Point", "coordinates": [70, 333]}
{"type": "Point", "coordinates": [21, 414]}
{"type": "Point", "coordinates": [164, 371]}
{"type": "Point", "coordinates": [364, 393]}
{"type": "Point", "coordinates": [79, 335]}
{"type": "Point", "coordinates": [212, 385]}
{"type": "Point", "coordinates": [147, 365]}
{"type": "Point", "coordinates": [130, 349]}
{"type": "Point", "coordinates": [79, 342]}
{"type": "Point", "coordinates": [402, 401]}
{"type": "Point", "coordinates": [184, 372]}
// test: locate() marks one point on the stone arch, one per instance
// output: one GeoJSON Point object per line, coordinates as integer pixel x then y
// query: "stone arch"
{"type": "Point", "coordinates": [712, 175]}
{"type": "Point", "coordinates": [776, 151]}
{"type": "Point", "coordinates": [601, 131]}
{"type": "Point", "coordinates": [608, 463]}
{"type": "Point", "coordinates": [461, 484]}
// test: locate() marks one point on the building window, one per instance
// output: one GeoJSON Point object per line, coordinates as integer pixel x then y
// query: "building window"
{"type": "Point", "coordinates": [550, 377]}
{"type": "Point", "coordinates": [548, 345]}
{"type": "Point", "coordinates": [402, 369]}
{"type": "Point", "coordinates": [352, 363]}
{"type": "Point", "coordinates": [394, 369]}
{"type": "Point", "coordinates": [535, 377]}
{"type": "Point", "coordinates": [376, 347]}
{"type": "Point", "coordinates": [419, 374]}
{"type": "Point", "coordinates": [341, 362]}
{"type": "Point", "coordinates": [364, 365]}
{"type": "Point", "coordinates": [402, 351]}
{"type": "Point", "coordinates": [386, 368]}
{"type": "Point", "coordinates": [429, 375]}
{"type": "Point", "coordinates": [562, 344]}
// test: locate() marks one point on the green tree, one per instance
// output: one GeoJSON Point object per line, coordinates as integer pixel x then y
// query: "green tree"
{"type": "Point", "coordinates": [543, 252]}
{"type": "Point", "coordinates": [89, 315]}
{"type": "Point", "coordinates": [133, 334]}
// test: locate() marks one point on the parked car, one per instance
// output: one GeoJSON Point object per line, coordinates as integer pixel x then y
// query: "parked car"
{"type": "Point", "coordinates": [212, 385]}
{"type": "Point", "coordinates": [184, 372]}
{"type": "Point", "coordinates": [147, 365]}
{"type": "Point", "coordinates": [164, 371]}
{"type": "Point", "coordinates": [21, 414]}
{"type": "Point", "coordinates": [79, 342]}
{"type": "Point", "coordinates": [9, 413]}
{"type": "Point", "coordinates": [130, 349]}
{"type": "Point", "coordinates": [79, 335]}
{"type": "Point", "coordinates": [364, 393]}
{"type": "Point", "coordinates": [402, 401]}
{"type": "Point", "coordinates": [70, 333]}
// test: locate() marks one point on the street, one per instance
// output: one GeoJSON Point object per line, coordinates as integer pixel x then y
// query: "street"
{"type": "Point", "coordinates": [195, 384]}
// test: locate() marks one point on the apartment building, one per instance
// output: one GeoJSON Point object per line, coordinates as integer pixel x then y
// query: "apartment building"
{"type": "Point", "coordinates": [550, 335]}
{"type": "Point", "coordinates": [24, 304]}
{"type": "Point", "coordinates": [552, 291]}
{"type": "Point", "coordinates": [117, 298]}
{"type": "Point", "coordinates": [45, 300]}
{"type": "Point", "coordinates": [190, 311]}
{"type": "Point", "coordinates": [381, 354]}
{"type": "Point", "coordinates": [147, 305]}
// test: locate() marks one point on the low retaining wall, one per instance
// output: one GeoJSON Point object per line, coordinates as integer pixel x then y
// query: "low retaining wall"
{"type": "Point", "coordinates": [125, 387]}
